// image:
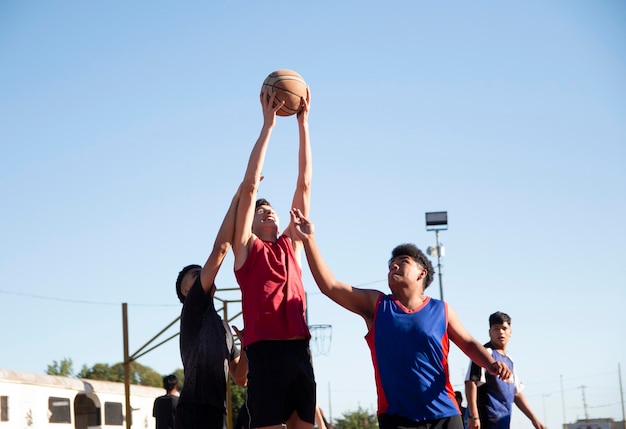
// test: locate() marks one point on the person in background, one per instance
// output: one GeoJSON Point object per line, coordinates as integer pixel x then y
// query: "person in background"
{"type": "Point", "coordinates": [165, 406]}
{"type": "Point", "coordinates": [459, 400]}
{"type": "Point", "coordinates": [489, 399]}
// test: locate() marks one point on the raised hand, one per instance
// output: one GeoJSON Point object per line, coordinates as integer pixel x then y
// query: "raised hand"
{"type": "Point", "coordinates": [238, 332]}
{"type": "Point", "coordinates": [305, 105]}
{"type": "Point", "coordinates": [302, 226]}
{"type": "Point", "coordinates": [269, 110]}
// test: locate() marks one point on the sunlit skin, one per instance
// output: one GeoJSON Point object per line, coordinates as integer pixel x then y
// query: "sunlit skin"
{"type": "Point", "coordinates": [403, 278]}
{"type": "Point", "coordinates": [265, 223]}
{"type": "Point", "coordinates": [500, 334]}
{"type": "Point", "coordinates": [404, 267]}
{"type": "Point", "coordinates": [262, 222]}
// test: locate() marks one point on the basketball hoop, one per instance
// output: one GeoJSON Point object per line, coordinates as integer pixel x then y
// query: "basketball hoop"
{"type": "Point", "coordinates": [321, 337]}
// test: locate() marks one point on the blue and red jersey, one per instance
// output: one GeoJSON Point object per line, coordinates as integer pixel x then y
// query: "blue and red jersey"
{"type": "Point", "coordinates": [410, 355]}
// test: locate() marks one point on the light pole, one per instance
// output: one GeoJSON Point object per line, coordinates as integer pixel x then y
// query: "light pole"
{"type": "Point", "coordinates": [545, 416]}
{"type": "Point", "coordinates": [437, 221]}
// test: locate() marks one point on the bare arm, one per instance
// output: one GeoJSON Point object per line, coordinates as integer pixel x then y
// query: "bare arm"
{"type": "Point", "coordinates": [359, 301]}
{"type": "Point", "coordinates": [302, 195]}
{"type": "Point", "coordinates": [471, 394]}
{"type": "Point", "coordinates": [473, 349]}
{"type": "Point", "coordinates": [250, 184]}
{"type": "Point", "coordinates": [221, 245]}
{"type": "Point", "coordinates": [238, 367]}
{"type": "Point", "coordinates": [522, 404]}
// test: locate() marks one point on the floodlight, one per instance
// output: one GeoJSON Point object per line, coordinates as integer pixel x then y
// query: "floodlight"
{"type": "Point", "coordinates": [436, 220]}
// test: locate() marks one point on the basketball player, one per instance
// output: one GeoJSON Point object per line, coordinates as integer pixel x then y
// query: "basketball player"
{"type": "Point", "coordinates": [490, 400]}
{"type": "Point", "coordinates": [408, 335]}
{"type": "Point", "coordinates": [207, 346]}
{"type": "Point", "coordinates": [281, 383]}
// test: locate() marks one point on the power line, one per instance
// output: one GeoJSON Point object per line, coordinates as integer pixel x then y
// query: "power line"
{"type": "Point", "coordinates": [80, 301]}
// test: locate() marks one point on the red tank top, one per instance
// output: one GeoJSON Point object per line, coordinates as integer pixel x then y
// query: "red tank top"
{"type": "Point", "coordinates": [272, 293]}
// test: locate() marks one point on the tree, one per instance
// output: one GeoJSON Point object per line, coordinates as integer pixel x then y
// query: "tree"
{"type": "Point", "coordinates": [359, 419]}
{"type": "Point", "coordinates": [100, 371]}
{"type": "Point", "coordinates": [237, 397]}
{"type": "Point", "coordinates": [63, 368]}
{"type": "Point", "coordinates": [139, 374]}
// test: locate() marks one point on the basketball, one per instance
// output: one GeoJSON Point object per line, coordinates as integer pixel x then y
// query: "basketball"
{"type": "Point", "coordinates": [288, 86]}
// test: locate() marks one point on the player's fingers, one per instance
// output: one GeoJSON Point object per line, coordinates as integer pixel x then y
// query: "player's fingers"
{"type": "Point", "coordinates": [278, 106]}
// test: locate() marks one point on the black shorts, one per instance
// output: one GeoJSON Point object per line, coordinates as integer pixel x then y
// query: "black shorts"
{"type": "Point", "coordinates": [194, 416]}
{"type": "Point", "coordinates": [280, 381]}
{"type": "Point", "coordinates": [390, 421]}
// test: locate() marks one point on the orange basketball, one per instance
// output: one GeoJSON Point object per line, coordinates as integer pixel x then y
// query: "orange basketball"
{"type": "Point", "coordinates": [288, 86]}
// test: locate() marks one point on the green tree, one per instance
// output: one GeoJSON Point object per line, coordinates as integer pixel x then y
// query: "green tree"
{"type": "Point", "coordinates": [237, 396]}
{"type": "Point", "coordinates": [100, 371]}
{"type": "Point", "coordinates": [359, 419]}
{"type": "Point", "coordinates": [139, 374]}
{"type": "Point", "coordinates": [237, 399]}
{"type": "Point", "coordinates": [63, 368]}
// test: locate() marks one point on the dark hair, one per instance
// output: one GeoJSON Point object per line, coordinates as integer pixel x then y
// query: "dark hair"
{"type": "Point", "coordinates": [498, 318]}
{"type": "Point", "coordinates": [411, 250]}
{"type": "Point", "coordinates": [261, 202]}
{"type": "Point", "coordinates": [179, 280]}
{"type": "Point", "coordinates": [170, 382]}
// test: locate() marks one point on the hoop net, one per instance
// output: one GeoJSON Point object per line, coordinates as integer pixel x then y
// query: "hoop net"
{"type": "Point", "coordinates": [321, 337]}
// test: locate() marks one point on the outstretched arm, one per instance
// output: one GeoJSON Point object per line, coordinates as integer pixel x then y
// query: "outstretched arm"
{"type": "Point", "coordinates": [302, 195]}
{"type": "Point", "coordinates": [251, 180]}
{"type": "Point", "coordinates": [520, 401]}
{"type": "Point", "coordinates": [359, 301]}
{"type": "Point", "coordinates": [473, 349]}
{"type": "Point", "coordinates": [221, 245]}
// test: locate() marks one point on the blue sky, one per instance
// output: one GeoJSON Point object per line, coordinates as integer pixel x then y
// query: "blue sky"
{"type": "Point", "coordinates": [126, 127]}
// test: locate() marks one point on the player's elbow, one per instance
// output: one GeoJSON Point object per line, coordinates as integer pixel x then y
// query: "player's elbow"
{"type": "Point", "coordinates": [249, 187]}
{"type": "Point", "coordinates": [330, 288]}
{"type": "Point", "coordinates": [304, 184]}
{"type": "Point", "coordinates": [221, 249]}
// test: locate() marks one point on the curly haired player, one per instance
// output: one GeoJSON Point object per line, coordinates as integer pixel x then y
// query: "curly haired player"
{"type": "Point", "coordinates": [408, 336]}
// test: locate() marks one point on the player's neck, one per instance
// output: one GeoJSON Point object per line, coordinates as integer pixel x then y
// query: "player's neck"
{"type": "Point", "coordinates": [409, 299]}
{"type": "Point", "coordinates": [268, 233]}
{"type": "Point", "coordinates": [268, 236]}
